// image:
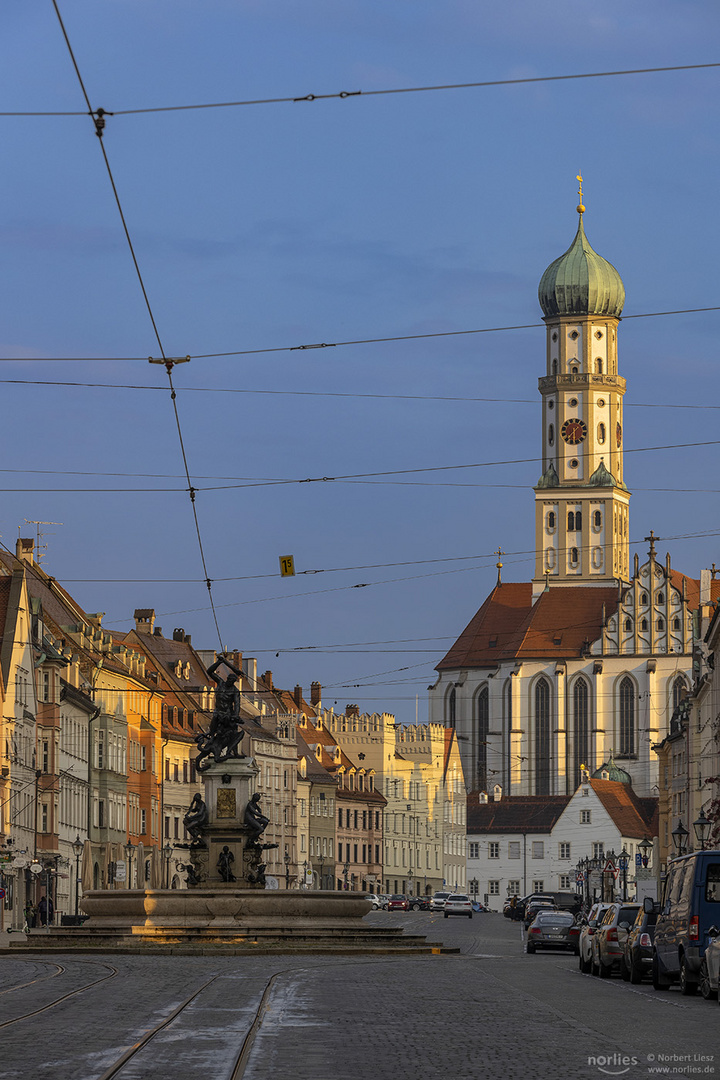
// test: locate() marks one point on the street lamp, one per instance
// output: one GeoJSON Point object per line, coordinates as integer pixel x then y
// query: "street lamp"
{"type": "Point", "coordinates": [286, 860]}
{"type": "Point", "coordinates": [645, 848]}
{"type": "Point", "coordinates": [701, 825]}
{"type": "Point", "coordinates": [167, 855]}
{"type": "Point", "coordinates": [624, 856]}
{"type": "Point", "coordinates": [346, 871]}
{"type": "Point", "coordinates": [410, 881]}
{"type": "Point", "coordinates": [77, 851]}
{"type": "Point", "coordinates": [305, 870]}
{"type": "Point", "coordinates": [129, 851]}
{"type": "Point", "coordinates": [680, 835]}
{"type": "Point", "coordinates": [321, 860]}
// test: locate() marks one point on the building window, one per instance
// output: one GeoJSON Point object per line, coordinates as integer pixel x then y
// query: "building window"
{"type": "Point", "coordinates": [661, 624]}
{"type": "Point", "coordinates": [574, 556]}
{"type": "Point", "coordinates": [581, 727]}
{"type": "Point", "coordinates": [538, 849]}
{"type": "Point", "coordinates": [483, 726]}
{"type": "Point", "coordinates": [143, 822]}
{"type": "Point", "coordinates": [473, 851]}
{"type": "Point", "coordinates": [601, 433]}
{"type": "Point", "coordinates": [597, 519]}
{"type": "Point", "coordinates": [564, 881]}
{"type": "Point", "coordinates": [513, 887]}
{"type": "Point", "coordinates": [551, 435]}
{"type": "Point", "coordinates": [451, 708]}
{"type": "Point", "coordinates": [551, 519]}
{"type": "Point", "coordinates": [514, 849]}
{"type": "Point", "coordinates": [542, 738]}
{"type": "Point", "coordinates": [598, 850]}
{"type": "Point", "coordinates": [585, 817]}
{"type": "Point", "coordinates": [679, 687]}
{"type": "Point", "coordinates": [643, 624]}
{"type": "Point", "coordinates": [571, 521]}
{"type": "Point", "coordinates": [627, 717]}
{"type": "Point", "coordinates": [493, 850]}
{"type": "Point", "coordinates": [538, 886]}
{"type": "Point", "coordinates": [564, 851]}
{"type": "Point", "coordinates": [661, 598]}
{"type": "Point", "coordinates": [628, 625]}
{"type": "Point", "coordinates": [493, 888]}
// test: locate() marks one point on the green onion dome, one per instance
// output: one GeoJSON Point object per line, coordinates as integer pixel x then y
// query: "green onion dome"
{"type": "Point", "coordinates": [581, 282]}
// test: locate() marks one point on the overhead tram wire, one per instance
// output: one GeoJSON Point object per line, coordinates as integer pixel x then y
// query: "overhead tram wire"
{"type": "Point", "coordinates": [74, 384]}
{"type": "Point", "coordinates": [98, 118]}
{"type": "Point", "coordinates": [345, 94]}
{"type": "Point", "coordinates": [327, 344]}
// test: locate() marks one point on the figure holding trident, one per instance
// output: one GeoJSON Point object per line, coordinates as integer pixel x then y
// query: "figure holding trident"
{"type": "Point", "coordinates": [222, 739]}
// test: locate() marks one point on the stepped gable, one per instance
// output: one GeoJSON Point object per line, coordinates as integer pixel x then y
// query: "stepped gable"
{"type": "Point", "coordinates": [510, 626]}
{"type": "Point", "coordinates": [633, 816]}
{"type": "Point", "coordinates": [519, 814]}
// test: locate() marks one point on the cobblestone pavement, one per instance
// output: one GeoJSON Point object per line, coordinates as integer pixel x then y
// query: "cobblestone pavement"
{"type": "Point", "coordinates": [492, 1011]}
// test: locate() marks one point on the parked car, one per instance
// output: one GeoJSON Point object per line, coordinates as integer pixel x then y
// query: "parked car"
{"type": "Point", "coordinates": [398, 903]}
{"type": "Point", "coordinates": [438, 901]}
{"type": "Point", "coordinates": [608, 943]}
{"type": "Point", "coordinates": [553, 929]}
{"type": "Point", "coordinates": [533, 908]}
{"type": "Point", "coordinates": [690, 907]}
{"type": "Point", "coordinates": [384, 898]}
{"type": "Point", "coordinates": [588, 926]}
{"type": "Point", "coordinates": [636, 961]}
{"type": "Point", "coordinates": [567, 901]}
{"type": "Point", "coordinates": [709, 974]}
{"type": "Point", "coordinates": [419, 903]}
{"type": "Point", "coordinates": [376, 901]}
{"type": "Point", "coordinates": [458, 904]}
{"type": "Point", "coordinates": [522, 904]}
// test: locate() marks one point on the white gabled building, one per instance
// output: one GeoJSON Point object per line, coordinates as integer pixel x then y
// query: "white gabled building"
{"type": "Point", "coordinates": [534, 843]}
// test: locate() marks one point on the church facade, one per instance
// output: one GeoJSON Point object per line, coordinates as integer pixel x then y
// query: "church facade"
{"type": "Point", "coordinates": [590, 658]}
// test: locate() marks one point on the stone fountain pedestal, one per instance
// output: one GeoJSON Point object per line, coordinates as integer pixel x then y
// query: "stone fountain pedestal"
{"type": "Point", "coordinates": [217, 915]}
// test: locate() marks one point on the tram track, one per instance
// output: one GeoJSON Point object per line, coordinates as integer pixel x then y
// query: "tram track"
{"type": "Point", "coordinates": [243, 1055]}
{"type": "Point", "coordinates": [31, 982]}
{"type": "Point", "coordinates": [63, 997]}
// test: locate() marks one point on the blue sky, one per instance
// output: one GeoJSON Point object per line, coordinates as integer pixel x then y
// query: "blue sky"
{"type": "Point", "coordinates": [334, 220]}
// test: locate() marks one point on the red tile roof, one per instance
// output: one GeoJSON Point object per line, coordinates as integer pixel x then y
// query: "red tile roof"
{"type": "Point", "coordinates": [634, 816]}
{"type": "Point", "coordinates": [692, 588]}
{"type": "Point", "coordinates": [519, 814]}
{"type": "Point", "coordinates": [510, 626]}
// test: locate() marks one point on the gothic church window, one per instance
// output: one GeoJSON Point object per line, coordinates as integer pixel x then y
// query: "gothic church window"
{"type": "Point", "coordinates": [598, 366]}
{"type": "Point", "coordinates": [451, 709]}
{"type": "Point", "coordinates": [676, 624]}
{"type": "Point", "coordinates": [627, 717]}
{"type": "Point", "coordinates": [679, 691]}
{"type": "Point", "coordinates": [628, 625]}
{"type": "Point", "coordinates": [542, 738]}
{"type": "Point", "coordinates": [661, 598]}
{"type": "Point", "coordinates": [581, 727]}
{"type": "Point", "coordinates": [661, 624]}
{"type": "Point", "coordinates": [483, 725]}
{"type": "Point", "coordinates": [643, 624]}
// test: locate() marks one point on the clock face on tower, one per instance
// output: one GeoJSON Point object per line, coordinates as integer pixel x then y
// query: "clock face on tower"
{"type": "Point", "coordinates": [573, 431]}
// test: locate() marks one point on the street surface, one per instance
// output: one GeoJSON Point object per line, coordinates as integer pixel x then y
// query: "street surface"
{"type": "Point", "coordinates": [492, 1011]}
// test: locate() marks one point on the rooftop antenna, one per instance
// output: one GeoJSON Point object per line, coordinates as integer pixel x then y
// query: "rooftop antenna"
{"type": "Point", "coordinates": [41, 535]}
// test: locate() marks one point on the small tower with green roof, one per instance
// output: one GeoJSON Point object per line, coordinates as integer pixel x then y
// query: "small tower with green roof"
{"type": "Point", "coordinates": [581, 501]}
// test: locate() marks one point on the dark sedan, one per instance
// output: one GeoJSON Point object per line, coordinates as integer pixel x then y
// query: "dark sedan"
{"type": "Point", "coordinates": [636, 962]}
{"type": "Point", "coordinates": [553, 930]}
{"type": "Point", "coordinates": [419, 903]}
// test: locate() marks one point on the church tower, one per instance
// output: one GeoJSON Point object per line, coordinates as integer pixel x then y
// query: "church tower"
{"type": "Point", "coordinates": [581, 501]}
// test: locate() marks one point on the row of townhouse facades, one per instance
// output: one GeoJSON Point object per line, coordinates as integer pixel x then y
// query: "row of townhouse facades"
{"type": "Point", "coordinates": [97, 763]}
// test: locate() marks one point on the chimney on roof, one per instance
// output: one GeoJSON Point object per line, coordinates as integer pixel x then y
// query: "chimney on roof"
{"type": "Point", "coordinates": [157, 632]}
{"type": "Point", "coordinates": [297, 696]}
{"type": "Point", "coordinates": [249, 666]}
{"type": "Point", "coordinates": [267, 678]}
{"type": "Point", "coordinates": [144, 620]}
{"type": "Point", "coordinates": [352, 710]}
{"type": "Point", "coordinates": [24, 549]}
{"type": "Point", "coordinates": [179, 633]}
{"type": "Point", "coordinates": [315, 693]}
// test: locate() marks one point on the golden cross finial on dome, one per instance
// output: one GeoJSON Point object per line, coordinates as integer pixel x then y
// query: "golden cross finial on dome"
{"type": "Point", "coordinates": [580, 207]}
{"type": "Point", "coordinates": [499, 565]}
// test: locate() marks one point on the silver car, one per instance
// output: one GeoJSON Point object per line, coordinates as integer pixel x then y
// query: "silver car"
{"type": "Point", "coordinates": [458, 904]}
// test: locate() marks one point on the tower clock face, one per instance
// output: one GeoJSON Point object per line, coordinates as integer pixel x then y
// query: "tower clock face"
{"type": "Point", "coordinates": [573, 431]}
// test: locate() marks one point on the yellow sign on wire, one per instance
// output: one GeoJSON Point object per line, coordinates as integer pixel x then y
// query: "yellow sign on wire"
{"type": "Point", "coordinates": [287, 566]}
